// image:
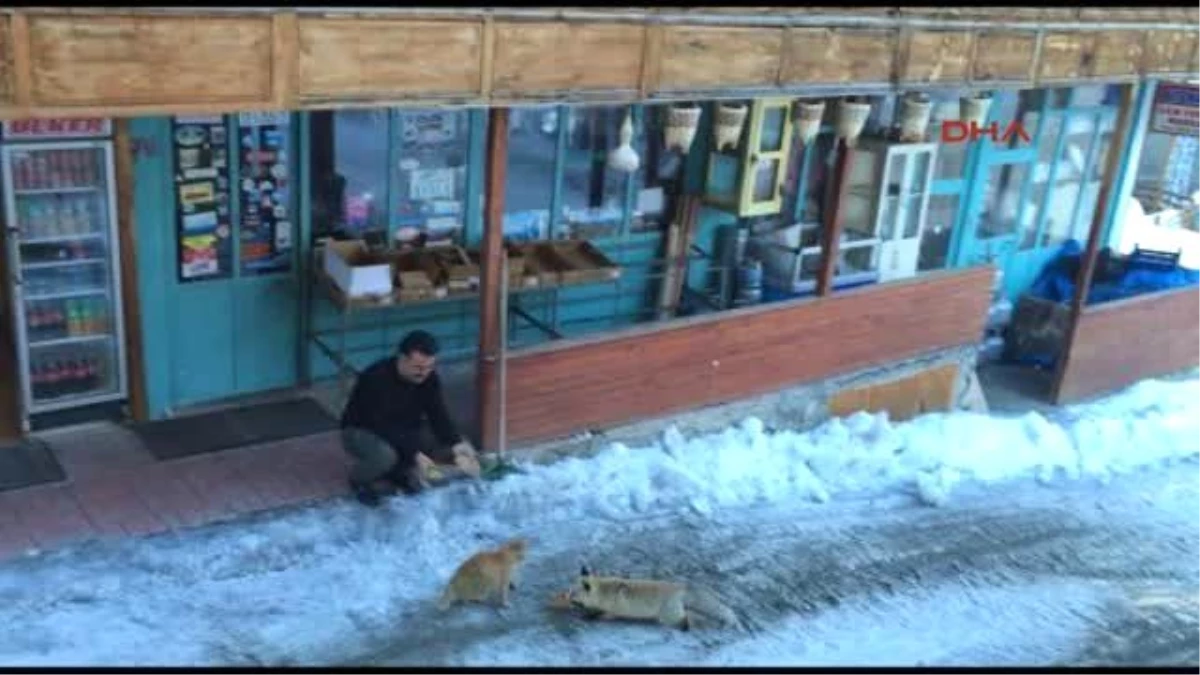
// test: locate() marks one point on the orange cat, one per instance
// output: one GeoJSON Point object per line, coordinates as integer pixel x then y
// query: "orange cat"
{"type": "Point", "coordinates": [485, 575]}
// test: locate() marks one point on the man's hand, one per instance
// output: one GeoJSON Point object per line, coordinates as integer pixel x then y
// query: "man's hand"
{"type": "Point", "coordinates": [465, 459]}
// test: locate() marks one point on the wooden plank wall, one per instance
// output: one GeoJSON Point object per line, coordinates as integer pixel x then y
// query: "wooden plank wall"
{"type": "Point", "coordinates": [101, 62]}
{"type": "Point", "coordinates": [561, 389]}
{"type": "Point", "coordinates": [1118, 343]}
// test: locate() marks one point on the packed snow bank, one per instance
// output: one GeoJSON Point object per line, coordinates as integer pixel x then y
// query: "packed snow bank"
{"type": "Point", "coordinates": [1149, 423]}
{"type": "Point", "coordinates": [311, 585]}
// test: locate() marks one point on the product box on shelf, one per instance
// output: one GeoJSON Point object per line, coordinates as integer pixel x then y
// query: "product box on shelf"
{"type": "Point", "coordinates": [356, 270]}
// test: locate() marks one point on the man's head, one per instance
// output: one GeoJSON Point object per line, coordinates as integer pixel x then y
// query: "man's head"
{"type": "Point", "coordinates": [416, 356]}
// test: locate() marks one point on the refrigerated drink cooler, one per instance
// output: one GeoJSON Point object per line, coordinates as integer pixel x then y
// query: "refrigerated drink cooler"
{"type": "Point", "coordinates": [60, 224]}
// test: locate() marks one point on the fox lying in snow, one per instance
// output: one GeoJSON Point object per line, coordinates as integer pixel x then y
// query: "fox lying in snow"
{"type": "Point", "coordinates": [670, 604]}
{"type": "Point", "coordinates": [485, 575]}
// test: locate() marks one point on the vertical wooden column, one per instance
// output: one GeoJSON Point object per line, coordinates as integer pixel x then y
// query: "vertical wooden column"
{"type": "Point", "coordinates": [491, 260]}
{"type": "Point", "coordinates": [1087, 264]}
{"type": "Point", "coordinates": [130, 301]}
{"type": "Point", "coordinates": [831, 231]}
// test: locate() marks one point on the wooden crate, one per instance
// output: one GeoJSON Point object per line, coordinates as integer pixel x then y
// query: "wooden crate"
{"type": "Point", "coordinates": [517, 277]}
{"type": "Point", "coordinates": [543, 263]}
{"type": "Point", "coordinates": [460, 274]}
{"type": "Point", "coordinates": [415, 280]}
{"type": "Point", "coordinates": [582, 263]}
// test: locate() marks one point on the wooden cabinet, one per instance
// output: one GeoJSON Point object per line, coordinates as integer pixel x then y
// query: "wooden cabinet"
{"type": "Point", "coordinates": [887, 198]}
{"type": "Point", "coordinates": [748, 180]}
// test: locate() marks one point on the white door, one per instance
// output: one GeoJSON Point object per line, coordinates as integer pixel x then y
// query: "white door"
{"type": "Point", "coordinates": [904, 209]}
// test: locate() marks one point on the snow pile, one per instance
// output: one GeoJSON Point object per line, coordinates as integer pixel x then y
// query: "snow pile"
{"type": "Point", "coordinates": [1152, 422]}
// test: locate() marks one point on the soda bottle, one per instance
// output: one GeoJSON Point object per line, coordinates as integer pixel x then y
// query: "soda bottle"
{"type": "Point", "coordinates": [50, 379]}
{"type": "Point", "coordinates": [36, 379]}
{"type": "Point", "coordinates": [72, 319]}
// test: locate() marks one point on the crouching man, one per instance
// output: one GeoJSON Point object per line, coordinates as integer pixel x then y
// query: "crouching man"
{"type": "Point", "coordinates": [382, 422]}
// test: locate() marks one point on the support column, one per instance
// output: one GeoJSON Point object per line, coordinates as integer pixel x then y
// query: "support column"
{"type": "Point", "coordinates": [1087, 264]}
{"type": "Point", "coordinates": [491, 260]}
{"type": "Point", "coordinates": [831, 232]}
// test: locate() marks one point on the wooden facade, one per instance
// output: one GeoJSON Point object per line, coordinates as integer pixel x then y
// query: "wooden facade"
{"type": "Point", "coordinates": [1119, 343]}
{"type": "Point", "coordinates": [127, 62]}
{"type": "Point", "coordinates": [570, 387]}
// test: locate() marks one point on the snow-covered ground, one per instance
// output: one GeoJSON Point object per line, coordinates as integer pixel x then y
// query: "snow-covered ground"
{"type": "Point", "coordinates": [338, 583]}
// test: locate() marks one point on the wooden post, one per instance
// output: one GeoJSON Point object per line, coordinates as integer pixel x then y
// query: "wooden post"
{"type": "Point", "coordinates": [1087, 264]}
{"type": "Point", "coordinates": [491, 260]}
{"type": "Point", "coordinates": [130, 298]}
{"type": "Point", "coordinates": [502, 364]}
{"type": "Point", "coordinates": [831, 234]}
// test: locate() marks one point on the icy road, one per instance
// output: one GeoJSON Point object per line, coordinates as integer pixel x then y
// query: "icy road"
{"type": "Point", "coordinates": [1064, 540]}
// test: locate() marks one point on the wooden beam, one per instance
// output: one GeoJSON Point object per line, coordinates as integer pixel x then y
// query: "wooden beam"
{"type": "Point", "coordinates": [491, 260]}
{"type": "Point", "coordinates": [22, 61]}
{"type": "Point", "coordinates": [285, 59]}
{"type": "Point", "coordinates": [127, 238]}
{"type": "Point", "coordinates": [831, 233]}
{"type": "Point", "coordinates": [1087, 264]}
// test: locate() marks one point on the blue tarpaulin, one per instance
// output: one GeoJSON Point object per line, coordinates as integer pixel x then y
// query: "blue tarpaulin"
{"type": "Point", "coordinates": [1135, 275]}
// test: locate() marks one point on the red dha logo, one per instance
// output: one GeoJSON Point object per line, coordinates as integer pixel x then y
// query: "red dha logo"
{"type": "Point", "coordinates": [954, 131]}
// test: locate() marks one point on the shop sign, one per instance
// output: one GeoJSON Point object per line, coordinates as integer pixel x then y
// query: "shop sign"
{"type": "Point", "coordinates": [954, 131]}
{"type": "Point", "coordinates": [52, 128]}
{"type": "Point", "coordinates": [1176, 110]}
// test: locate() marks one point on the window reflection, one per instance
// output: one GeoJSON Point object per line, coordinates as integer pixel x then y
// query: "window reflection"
{"type": "Point", "coordinates": [593, 195]}
{"type": "Point", "coordinates": [529, 183]}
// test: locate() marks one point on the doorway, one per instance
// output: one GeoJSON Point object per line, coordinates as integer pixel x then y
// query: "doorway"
{"type": "Point", "coordinates": [215, 201]}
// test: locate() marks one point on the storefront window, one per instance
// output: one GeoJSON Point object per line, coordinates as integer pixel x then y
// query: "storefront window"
{"type": "Point", "coordinates": [431, 172]}
{"type": "Point", "coordinates": [1064, 193]}
{"type": "Point", "coordinates": [815, 190]}
{"type": "Point", "coordinates": [360, 169]}
{"type": "Point", "coordinates": [529, 184]}
{"type": "Point", "coordinates": [1002, 200]}
{"type": "Point", "coordinates": [939, 228]}
{"type": "Point", "coordinates": [593, 195]}
{"type": "Point", "coordinates": [657, 174]}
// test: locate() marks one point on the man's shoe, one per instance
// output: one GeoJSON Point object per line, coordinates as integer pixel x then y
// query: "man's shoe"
{"type": "Point", "coordinates": [365, 494]}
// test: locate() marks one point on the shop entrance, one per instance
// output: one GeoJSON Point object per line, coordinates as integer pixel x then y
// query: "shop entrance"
{"type": "Point", "coordinates": [223, 260]}
{"type": "Point", "coordinates": [1030, 197]}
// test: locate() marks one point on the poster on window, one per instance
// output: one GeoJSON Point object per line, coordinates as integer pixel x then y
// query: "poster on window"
{"type": "Point", "coordinates": [266, 219]}
{"type": "Point", "coordinates": [202, 217]}
{"type": "Point", "coordinates": [1177, 110]}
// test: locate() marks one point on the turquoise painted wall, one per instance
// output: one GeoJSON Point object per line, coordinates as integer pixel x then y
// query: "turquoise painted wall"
{"type": "Point", "coordinates": [151, 185]}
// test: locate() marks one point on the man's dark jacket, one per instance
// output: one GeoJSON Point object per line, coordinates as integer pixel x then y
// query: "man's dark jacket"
{"type": "Point", "coordinates": [393, 408]}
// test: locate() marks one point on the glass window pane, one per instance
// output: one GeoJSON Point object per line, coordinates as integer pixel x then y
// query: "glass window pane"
{"type": "Point", "coordinates": [856, 260]}
{"type": "Point", "coordinates": [593, 196]}
{"type": "Point", "coordinates": [912, 216]}
{"type": "Point", "coordinates": [1002, 200]}
{"type": "Point", "coordinates": [920, 173]}
{"type": "Point", "coordinates": [765, 180]}
{"type": "Point", "coordinates": [815, 190]}
{"type": "Point", "coordinates": [1067, 187]}
{"type": "Point", "coordinates": [939, 227]}
{"type": "Point", "coordinates": [895, 174]}
{"type": "Point", "coordinates": [773, 122]}
{"type": "Point", "coordinates": [532, 138]}
{"type": "Point", "coordinates": [267, 211]}
{"type": "Point", "coordinates": [888, 207]}
{"type": "Point", "coordinates": [951, 160]}
{"type": "Point", "coordinates": [431, 172]}
{"type": "Point", "coordinates": [656, 174]}
{"type": "Point", "coordinates": [361, 163]}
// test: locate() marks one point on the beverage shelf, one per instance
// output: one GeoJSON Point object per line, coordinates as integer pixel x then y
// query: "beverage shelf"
{"type": "Point", "coordinates": [73, 397]}
{"type": "Point", "coordinates": [74, 339]}
{"type": "Point", "coordinates": [72, 262]}
{"type": "Point", "coordinates": [67, 294]}
{"type": "Point", "coordinates": [34, 192]}
{"type": "Point", "coordinates": [61, 238]}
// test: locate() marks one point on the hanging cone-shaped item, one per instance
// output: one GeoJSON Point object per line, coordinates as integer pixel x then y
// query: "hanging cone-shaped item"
{"type": "Point", "coordinates": [727, 127]}
{"type": "Point", "coordinates": [682, 122]}
{"type": "Point", "coordinates": [915, 109]}
{"type": "Point", "coordinates": [851, 119]}
{"type": "Point", "coordinates": [974, 109]}
{"type": "Point", "coordinates": [808, 120]}
{"type": "Point", "coordinates": [623, 158]}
